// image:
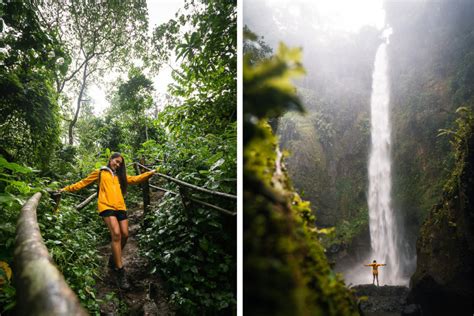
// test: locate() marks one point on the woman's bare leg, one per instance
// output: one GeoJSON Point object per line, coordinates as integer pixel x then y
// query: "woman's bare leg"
{"type": "Point", "coordinates": [116, 237]}
{"type": "Point", "coordinates": [123, 232]}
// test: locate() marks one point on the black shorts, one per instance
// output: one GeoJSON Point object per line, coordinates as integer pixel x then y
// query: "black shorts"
{"type": "Point", "coordinates": [121, 215]}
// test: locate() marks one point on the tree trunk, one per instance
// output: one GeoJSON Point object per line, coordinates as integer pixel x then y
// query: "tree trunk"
{"type": "Point", "coordinates": [146, 131]}
{"type": "Point", "coordinates": [78, 107]}
{"type": "Point", "coordinates": [40, 287]}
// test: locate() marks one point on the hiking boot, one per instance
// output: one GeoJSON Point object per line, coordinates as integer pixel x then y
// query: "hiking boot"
{"type": "Point", "coordinates": [111, 262]}
{"type": "Point", "coordinates": [122, 279]}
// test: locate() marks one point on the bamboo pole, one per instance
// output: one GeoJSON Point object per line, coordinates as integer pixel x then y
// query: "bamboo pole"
{"type": "Point", "coordinates": [197, 201]}
{"type": "Point", "coordinates": [192, 186]}
{"type": "Point", "coordinates": [86, 201]}
{"type": "Point", "coordinates": [41, 288]}
{"type": "Point", "coordinates": [74, 195]}
{"type": "Point", "coordinates": [162, 189]}
{"type": "Point", "coordinates": [213, 206]}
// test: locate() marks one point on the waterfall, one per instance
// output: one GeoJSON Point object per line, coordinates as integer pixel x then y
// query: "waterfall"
{"type": "Point", "coordinates": [382, 221]}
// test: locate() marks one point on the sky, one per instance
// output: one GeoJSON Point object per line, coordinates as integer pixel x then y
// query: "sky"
{"type": "Point", "coordinates": [349, 15]}
{"type": "Point", "coordinates": [341, 15]}
{"type": "Point", "coordinates": [159, 12]}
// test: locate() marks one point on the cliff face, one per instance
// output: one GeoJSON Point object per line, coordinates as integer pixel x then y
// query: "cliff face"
{"type": "Point", "coordinates": [329, 145]}
{"type": "Point", "coordinates": [430, 55]}
{"type": "Point", "coordinates": [442, 283]}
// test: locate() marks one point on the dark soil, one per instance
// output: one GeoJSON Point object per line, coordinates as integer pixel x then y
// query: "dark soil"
{"type": "Point", "coordinates": [146, 295]}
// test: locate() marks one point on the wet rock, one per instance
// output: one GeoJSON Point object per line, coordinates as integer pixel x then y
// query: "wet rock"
{"type": "Point", "coordinates": [381, 299]}
{"type": "Point", "coordinates": [150, 308]}
{"type": "Point", "coordinates": [411, 310]}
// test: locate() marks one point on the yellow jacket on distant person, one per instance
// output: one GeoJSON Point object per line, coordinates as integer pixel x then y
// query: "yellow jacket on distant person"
{"type": "Point", "coordinates": [110, 194]}
{"type": "Point", "coordinates": [375, 267]}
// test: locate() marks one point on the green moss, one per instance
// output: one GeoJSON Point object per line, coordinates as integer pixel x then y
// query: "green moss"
{"type": "Point", "coordinates": [346, 230]}
{"type": "Point", "coordinates": [285, 269]}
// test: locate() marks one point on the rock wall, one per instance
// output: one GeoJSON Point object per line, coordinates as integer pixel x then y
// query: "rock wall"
{"type": "Point", "coordinates": [442, 283]}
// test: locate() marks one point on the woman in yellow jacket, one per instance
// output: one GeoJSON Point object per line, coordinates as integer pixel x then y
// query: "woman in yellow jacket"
{"type": "Point", "coordinates": [375, 270]}
{"type": "Point", "coordinates": [113, 181]}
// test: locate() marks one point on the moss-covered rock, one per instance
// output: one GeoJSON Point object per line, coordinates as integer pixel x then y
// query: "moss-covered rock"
{"type": "Point", "coordinates": [285, 269]}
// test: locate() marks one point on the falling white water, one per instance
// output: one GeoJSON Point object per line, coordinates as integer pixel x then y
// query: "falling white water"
{"type": "Point", "coordinates": [383, 226]}
{"type": "Point", "coordinates": [385, 239]}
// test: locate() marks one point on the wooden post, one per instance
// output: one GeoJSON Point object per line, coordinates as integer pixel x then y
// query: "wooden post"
{"type": "Point", "coordinates": [187, 204]}
{"type": "Point", "coordinates": [41, 288]}
{"type": "Point", "coordinates": [144, 185]}
{"type": "Point", "coordinates": [184, 197]}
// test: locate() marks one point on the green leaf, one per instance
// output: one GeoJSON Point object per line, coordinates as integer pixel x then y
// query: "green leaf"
{"type": "Point", "coordinates": [217, 164]}
{"type": "Point", "coordinates": [204, 244]}
{"type": "Point", "coordinates": [13, 166]}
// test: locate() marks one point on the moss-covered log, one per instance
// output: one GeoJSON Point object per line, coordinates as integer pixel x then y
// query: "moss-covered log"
{"type": "Point", "coordinates": [41, 288]}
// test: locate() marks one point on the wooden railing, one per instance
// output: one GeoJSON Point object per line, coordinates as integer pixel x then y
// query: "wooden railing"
{"type": "Point", "coordinates": [184, 196]}
{"type": "Point", "coordinates": [40, 287]}
{"type": "Point", "coordinates": [181, 184]}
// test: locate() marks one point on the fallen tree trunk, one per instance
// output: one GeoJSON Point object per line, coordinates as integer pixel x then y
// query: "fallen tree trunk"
{"type": "Point", "coordinates": [41, 288]}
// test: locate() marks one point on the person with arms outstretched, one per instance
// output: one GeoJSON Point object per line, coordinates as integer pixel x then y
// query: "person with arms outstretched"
{"type": "Point", "coordinates": [112, 181]}
{"type": "Point", "coordinates": [375, 270]}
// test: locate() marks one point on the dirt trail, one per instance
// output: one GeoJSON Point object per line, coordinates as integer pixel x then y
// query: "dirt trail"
{"type": "Point", "coordinates": [146, 295]}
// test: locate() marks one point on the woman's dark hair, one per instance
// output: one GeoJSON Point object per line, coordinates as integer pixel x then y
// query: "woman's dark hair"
{"type": "Point", "coordinates": [374, 260]}
{"type": "Point", "coordinates": [121, 172]}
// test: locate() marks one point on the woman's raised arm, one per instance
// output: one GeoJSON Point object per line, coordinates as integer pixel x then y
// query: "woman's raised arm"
{"type": "Point", "coordinates": [140, 178]}
{"type": "Point", "coordinates": [83, 183]}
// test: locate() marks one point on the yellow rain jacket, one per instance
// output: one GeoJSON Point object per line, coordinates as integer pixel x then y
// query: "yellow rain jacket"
{"type": "Point", "coordinates": [375, 267]}
{"type": "Point", "coordinates": [110, 194]}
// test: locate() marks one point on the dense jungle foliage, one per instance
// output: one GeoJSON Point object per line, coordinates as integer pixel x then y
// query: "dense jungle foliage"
{"type": "Point", "coordinates": [50, 137]}
{"type": "Point", "coordinates": [285, 268]}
